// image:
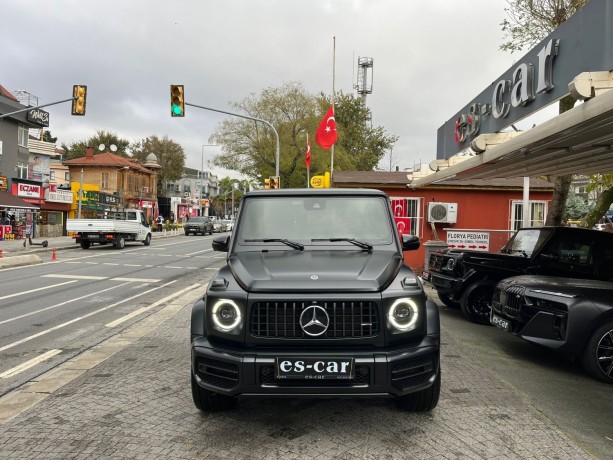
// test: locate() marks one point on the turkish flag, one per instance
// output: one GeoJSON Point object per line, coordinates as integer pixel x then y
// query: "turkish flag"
{"type": "Point", "coordinates": [326, 132]}
{"type": "Point", "coordinates": [401, 210]}
{"type": "Point", "coordinates": [307, 159]}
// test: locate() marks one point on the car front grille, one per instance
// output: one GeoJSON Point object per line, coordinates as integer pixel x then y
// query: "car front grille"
{"type": "Point", "coordinates": [281, 319]}
{"type": "Point", "coordinates": [511, 301]}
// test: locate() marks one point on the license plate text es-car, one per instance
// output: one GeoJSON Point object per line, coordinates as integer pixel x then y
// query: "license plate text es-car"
{"type": "Point", "coordinates": [314, 368]}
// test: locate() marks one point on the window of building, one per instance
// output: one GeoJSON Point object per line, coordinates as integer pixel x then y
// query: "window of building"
{"type": "Point", "coordinates": [538, 214]}
{"type": "Point", "coordinates": [51, 175]}
{"type": "Point", "coordinates": [67, 176]}
{"type": "Point", "coordinates": [22, 135]}
{"type": "Point", "coordinates": [407, 214]}
{"type": "Point", "coordinates": [22, 170]}
{"type": "Point", "coordinates": [104, 180]}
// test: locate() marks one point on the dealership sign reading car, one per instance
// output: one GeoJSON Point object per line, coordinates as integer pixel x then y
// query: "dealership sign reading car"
{"type": "Point", "coordinates": [580, 44]}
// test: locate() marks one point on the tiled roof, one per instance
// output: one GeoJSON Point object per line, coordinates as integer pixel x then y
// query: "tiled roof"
{"type": "Point", "coordinates": [107, 159]}
{"type": "Point", "coordinates": [7, 94]}
{"type": "Point", "coordinates": [403, 179]}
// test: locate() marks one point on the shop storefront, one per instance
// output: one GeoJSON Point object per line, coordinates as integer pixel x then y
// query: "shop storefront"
{"type": "Point", "coordinates": [53, 213]}
{"type": "Point", "coordinates": [16, 216]}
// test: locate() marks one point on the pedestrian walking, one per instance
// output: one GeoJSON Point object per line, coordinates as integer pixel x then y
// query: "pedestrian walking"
{"type": "Point", "coordinates": [160, 222]}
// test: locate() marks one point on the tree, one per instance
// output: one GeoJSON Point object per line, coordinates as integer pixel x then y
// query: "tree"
{"type": "Point", "coordinates": [250, 147]}
{"type": "Point", "coordinates": [48, 138]}
{"type": "Point", "coordinates": [530, 21]}
{"type": "Point", "coordinates": [576, 207]}
{"type": "Point", "coordinates": [602, 205]}
{"type": "Point", "coordinates": [170, 156]}
{"type": "Point", "coordinates": [108, 138]}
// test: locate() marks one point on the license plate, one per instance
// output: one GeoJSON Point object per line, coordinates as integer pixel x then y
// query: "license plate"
{"type": "Point", "coordinates": [314, 368]}
{"type": "Point", "coordinates": [501, 323]}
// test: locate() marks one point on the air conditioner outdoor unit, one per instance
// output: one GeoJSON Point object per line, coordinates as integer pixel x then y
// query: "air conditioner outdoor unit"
{"type": "Point", "coordinates": [445, 213]}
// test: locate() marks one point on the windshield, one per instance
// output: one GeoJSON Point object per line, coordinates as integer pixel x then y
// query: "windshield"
{"type": "Point", "coordinates": [315, 221]}
{"type": "Point", "coordinates": [526, 242]}
{"type": "Point", "coordinates": [197, 220]}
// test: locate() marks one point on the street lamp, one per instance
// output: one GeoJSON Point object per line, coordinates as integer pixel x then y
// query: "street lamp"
{"type": "Point", "coordinates": [202, 175]}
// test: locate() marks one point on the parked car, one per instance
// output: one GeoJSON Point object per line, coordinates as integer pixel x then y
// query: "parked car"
{"type": "Point", "coordinates": [571, 316]}
{"type": "Point", "coordinates": [466, 279]}
{"type": "Point", "coordinates": [219, 226]}
{"type": "Point", "coordinates": [197, 225]}
{"type": "Point", "coordinates": [229, 225]}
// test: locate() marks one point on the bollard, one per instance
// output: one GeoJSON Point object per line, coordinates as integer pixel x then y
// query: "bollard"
{"type": "Point", "coordinates": [53, 256]}
{"type": "Point", "coordinates": [1, 254]}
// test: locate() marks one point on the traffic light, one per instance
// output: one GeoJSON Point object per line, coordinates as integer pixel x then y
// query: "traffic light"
{"type": "Point", "coordinates": [177, 101]}
{"type": "Point", "coordinates": [274, 182]}
{"type": "Point", "coordinates": [79, 96]}
{"type": "Point", "coordinates": [267, 183]}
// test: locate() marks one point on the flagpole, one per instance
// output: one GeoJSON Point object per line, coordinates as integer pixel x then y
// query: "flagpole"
{"type": "Point", "coordinates": [333, 79]}
{"type": "Point", "coordinates": [308, 167]}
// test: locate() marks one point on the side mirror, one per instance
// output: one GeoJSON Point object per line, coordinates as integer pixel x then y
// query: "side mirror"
{"type": "Point", "coordinates": [410, 242]}
{"type": "Point", "coordinates": [221, 243]}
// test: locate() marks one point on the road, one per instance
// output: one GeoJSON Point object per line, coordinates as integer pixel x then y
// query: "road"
{"type": "Point", "coordinates": [53, 311]}
{"type": "Point", "coordinates": [113, 326]}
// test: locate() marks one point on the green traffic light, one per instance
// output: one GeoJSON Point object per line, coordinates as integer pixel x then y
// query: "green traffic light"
{"type": "Point", "coordinates": [176, 110]}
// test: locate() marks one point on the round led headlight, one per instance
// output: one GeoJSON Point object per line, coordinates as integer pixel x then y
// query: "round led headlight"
{"type": "Point", "coordinates": [450, 264]}
{"type": "Point", "coordinates": [403, 314]}
{"type": "Point", "coordinates": [226, 315]}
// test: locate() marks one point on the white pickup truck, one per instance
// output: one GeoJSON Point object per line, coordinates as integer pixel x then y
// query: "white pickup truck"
{"type": "Point", "coordinates": [116, 227]}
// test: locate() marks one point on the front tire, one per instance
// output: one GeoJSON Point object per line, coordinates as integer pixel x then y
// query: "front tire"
{"type": "Point", "coordinates": [476, 302]}
{"type": "Point", "coordinates": [147, 241]}
{"type": "Point", "coordinates": [597, 359]}
{"type": "Point", "coordinates": [448, 301]}
{"type": "Point", "coordinates": [423, 400]}
{"type": "Point", "coordinates": [209, 401]}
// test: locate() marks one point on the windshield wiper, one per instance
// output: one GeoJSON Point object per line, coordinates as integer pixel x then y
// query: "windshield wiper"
{"type": "Point", "coordinates": [361, 244]}
{"type": "Point", "coordinates": [521, 251]}
{"type": "Point", "coordinates": [292, 244]}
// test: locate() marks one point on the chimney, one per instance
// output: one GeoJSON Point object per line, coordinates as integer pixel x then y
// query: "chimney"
{"type": "Point", "coordinates": [89, 152]}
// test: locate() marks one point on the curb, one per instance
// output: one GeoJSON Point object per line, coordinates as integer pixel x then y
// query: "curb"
{"type": "Point", "coordinates": [19, 261]}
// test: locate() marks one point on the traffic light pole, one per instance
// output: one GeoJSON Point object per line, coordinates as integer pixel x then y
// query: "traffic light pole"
{"type": "Point", "coordinates": [34, 107]}
{"type": "Point", "coordinates": [248, 118]}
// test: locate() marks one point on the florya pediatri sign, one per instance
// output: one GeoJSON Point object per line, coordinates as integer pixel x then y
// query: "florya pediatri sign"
{"type": "Point", "coordinates": [476, 241]}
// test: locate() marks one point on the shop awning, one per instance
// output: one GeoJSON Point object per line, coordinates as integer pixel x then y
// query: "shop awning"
{"type": "Point", "coordinates": [8, 201]}
{"type": "Point", "coordinates": [579, 141]}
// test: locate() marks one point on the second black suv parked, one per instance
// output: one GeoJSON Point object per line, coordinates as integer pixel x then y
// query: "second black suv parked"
{"type": "Point", "coordinates": [467, 278]}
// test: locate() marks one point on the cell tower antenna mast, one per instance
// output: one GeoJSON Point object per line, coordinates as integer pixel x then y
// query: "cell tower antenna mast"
{"type": "Point", "coordinates": [365, 76]}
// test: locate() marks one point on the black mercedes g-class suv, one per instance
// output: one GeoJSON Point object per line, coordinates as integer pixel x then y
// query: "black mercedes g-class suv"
{"type": "Point", "coordinates": [315, 300]}
{"type": "Point", "coordinates": [467, 279]}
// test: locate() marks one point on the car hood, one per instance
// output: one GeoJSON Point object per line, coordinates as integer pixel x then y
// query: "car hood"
{"type": "Point", "coordinates": [304, 271]}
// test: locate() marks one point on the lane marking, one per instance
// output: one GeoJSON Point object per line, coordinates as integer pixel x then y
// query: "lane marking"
{"type": "Point", "coordinates": [25, 315]}
{"type": "Point", "coordinates": [28, 364]}
{"type": "Point", "coordinates": [75, 277]}
{"type": "Point", "coordinates": [35, 290]}
{"type": "Point", "coordinates": [199, 252]}
{"type": "Point", "coordinates": [137, 280]}
{"type": "Point", "coordinates": [131, 265]}
{"type": "Point", "coordinates": [149, 307]}
{"type": "Point", "coordinates": [79, 318]}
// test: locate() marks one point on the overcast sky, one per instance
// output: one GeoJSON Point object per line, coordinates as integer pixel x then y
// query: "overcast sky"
{"type": "Point", "coordinates": [430, 59]}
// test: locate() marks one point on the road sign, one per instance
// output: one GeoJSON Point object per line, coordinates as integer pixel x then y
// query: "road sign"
{"type": "Point", "coordinates": [476, 241]}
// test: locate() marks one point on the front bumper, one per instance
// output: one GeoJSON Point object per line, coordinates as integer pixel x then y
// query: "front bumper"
{"type": "Point", "coordinates": [249, 372]}
{"type": "Point", "coordinates": [449, 285]}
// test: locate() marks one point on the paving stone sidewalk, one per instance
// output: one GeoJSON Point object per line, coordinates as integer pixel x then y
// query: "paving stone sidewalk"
{"type": "Point", "coordinates": [137, 405]}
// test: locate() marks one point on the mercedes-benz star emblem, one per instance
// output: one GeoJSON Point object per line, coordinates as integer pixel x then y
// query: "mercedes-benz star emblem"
{"type": "Point", "coordinates": [314, 320]}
